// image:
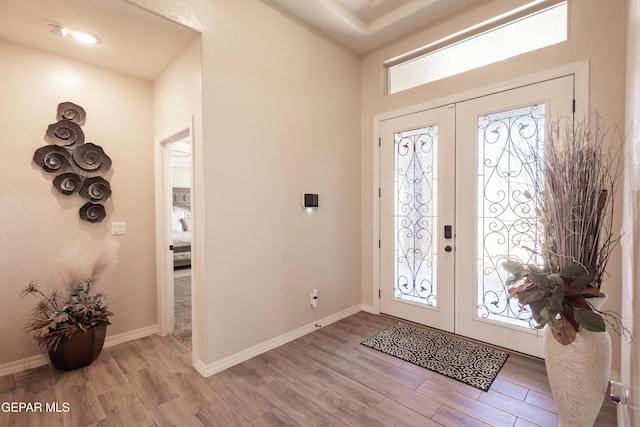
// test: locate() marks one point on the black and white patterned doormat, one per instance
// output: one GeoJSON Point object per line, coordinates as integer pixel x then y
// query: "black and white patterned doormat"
{"type": "Point", "coordinates": [470, 363]}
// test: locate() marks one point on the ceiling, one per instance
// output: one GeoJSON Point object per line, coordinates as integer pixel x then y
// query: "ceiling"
{"type": "Point", "coordinates": [132, 40]}
{"type": "Point", "coordinates": [365, 25]}
{"type": "Point", "coordinates": [139, 43]}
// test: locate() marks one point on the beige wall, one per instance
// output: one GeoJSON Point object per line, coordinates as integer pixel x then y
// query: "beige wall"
{"type": "Point", "coordinates": [177, 92]}
{"type": "Point", "coordinates": [37, 223]}
{"type": "Point", "coordinates": [281, 118]}
{"type": "Point", "coordinates": [596, 34]}
{"type": "Point", "coordinates": [631, 239]}
{"type": "Point", "coordinates": [178, 99]}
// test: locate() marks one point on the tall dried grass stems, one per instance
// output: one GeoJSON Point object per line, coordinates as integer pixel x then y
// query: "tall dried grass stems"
{"type": "Point", "coordinates": [78, 264]}
{"type": "Point", "coordinates": [58, 315]}
{"type": "Point", "coordinates": [577, 174]}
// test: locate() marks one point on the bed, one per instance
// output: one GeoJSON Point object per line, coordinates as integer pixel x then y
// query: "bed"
{"type": "Point", "coordinates": [181, 227]}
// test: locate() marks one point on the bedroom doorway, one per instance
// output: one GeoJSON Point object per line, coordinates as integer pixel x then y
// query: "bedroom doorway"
{"type": "Point", "coordinates": [181, 228]}
{"type": "Point", "coordinates": [175, 232]}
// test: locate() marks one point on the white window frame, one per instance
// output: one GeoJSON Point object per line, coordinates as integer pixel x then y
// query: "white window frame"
{"type": "Point", "coordinates": [534, 26]}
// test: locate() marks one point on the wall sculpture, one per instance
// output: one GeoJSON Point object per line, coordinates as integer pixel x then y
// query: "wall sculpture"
{"type": "Point", "coordinates": [78, 166]}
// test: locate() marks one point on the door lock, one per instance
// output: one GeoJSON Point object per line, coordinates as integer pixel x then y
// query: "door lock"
{"type": "Point", "coordinates": [448, 248]}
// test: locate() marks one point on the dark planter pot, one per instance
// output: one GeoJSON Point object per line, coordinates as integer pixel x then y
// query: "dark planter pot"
{"type": "Point", "coordinates": [78, 350]}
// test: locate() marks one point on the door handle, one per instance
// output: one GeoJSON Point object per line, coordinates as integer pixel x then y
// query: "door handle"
{"type": "Point", "coordinates": [448, 234]}
{"type": "Point", "coordinates": [448, 248]}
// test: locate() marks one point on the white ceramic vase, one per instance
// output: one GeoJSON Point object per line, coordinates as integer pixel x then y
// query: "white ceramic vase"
{"type": "Point", "coordinates": [578, 375]}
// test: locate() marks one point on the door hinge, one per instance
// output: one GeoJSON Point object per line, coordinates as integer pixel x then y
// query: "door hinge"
{"type": "Point", "coordinates": [379, 142]}
{"type": "Point", "coordinates": [378, 243]}
{"type": "Point", "coordinates": [379, 192]}
{"type": "Point", "coordinates": [379, 293]}
{"type": "Point", "coordinates": [573, 107]}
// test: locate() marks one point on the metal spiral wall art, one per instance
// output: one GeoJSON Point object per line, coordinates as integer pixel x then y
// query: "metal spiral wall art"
{"type": "Point", "coordinates": [76, 164]}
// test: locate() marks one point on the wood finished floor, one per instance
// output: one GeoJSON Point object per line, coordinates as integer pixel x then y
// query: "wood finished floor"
{"type": "Point", "coordinates": [325, 378]}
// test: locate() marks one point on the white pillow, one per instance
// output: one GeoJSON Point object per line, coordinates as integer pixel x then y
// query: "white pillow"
{"type": "Point", "coordinates": [176, 219]}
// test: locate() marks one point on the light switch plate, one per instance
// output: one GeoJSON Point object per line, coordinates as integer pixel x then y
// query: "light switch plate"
{"type": "Point", "coordinates": [118, 228]}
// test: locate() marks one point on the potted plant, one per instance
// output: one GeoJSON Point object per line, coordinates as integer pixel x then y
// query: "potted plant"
{"type": "Point", "coordinates": [574, 176]}
{"type": "Point", "coordinates": [71, 324]}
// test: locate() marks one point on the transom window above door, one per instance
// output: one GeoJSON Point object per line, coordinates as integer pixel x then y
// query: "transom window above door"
{"type": "Point", "coordinates": [486, 43]}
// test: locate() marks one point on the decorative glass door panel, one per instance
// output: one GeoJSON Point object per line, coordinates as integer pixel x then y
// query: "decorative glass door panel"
{"type": "Point", "coordinates": [495, 218]}
{"type": "Point", "coordinates": [507, 224]}
{"type": "Point", "coordinates": [417, 200]}
{"type": "Point", "coordinates": [415, 195]}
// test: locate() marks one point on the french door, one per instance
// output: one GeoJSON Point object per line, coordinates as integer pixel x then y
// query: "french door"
{"type": "Point", "coordinates": [452, 210]}
{"type": "Point", "coordinates": [417, 195]}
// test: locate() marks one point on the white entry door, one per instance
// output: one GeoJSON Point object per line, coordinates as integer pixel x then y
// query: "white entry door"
{"type": "Point", "coordinates": [416, 204]}
{"type": "Point", "coordinates": [495, 221]}
{"type": "Point", "coordinates": [452, 211]}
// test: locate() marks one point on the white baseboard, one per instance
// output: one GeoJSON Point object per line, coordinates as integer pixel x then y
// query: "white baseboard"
{"type": "Point", "coordinates": [23, 364]}
{"type": "Point", "coordinates": [207, 370]}
{"type": "Point", "coordinates": [203, 368]}
{"type": "Point", "coordinates": [43, 359]}
{"type": "Point", "coordinates": [112, 340]}
{"type": "Point", "coordinates": [369, 309]}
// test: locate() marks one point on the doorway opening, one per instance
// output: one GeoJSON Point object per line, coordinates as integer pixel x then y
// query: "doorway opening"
{"type": "Point", "coordinates": [181, 233]}
{"type": "Point", "coordinates": [175, 234]}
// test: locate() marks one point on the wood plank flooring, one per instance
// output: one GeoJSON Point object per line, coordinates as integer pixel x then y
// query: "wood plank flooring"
{"type": "Point", "coordinates": [325, 378]}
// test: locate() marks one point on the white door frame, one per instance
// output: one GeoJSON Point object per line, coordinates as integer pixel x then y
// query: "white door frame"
{"type": "Point", "coordinates": [579, 69]}
{"type": "Point", "coordinates": [164, 257]}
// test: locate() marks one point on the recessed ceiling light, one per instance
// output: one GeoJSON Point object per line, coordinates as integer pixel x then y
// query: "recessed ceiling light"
{"type": "Point", "coordinates": [83, 37]}
{"type": "Point", "coordinates": [57, 30]}
{"type": "Point", "coordinates": [79, 36]}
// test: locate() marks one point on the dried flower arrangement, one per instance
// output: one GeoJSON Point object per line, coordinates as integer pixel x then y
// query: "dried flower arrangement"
{"type": "Point", "coordinates": [575, 177]}
{"type": "Point", "coordinates": [60, 315]}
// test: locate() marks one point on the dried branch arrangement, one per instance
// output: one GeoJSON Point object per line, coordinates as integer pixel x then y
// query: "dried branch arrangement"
{"type": "Point", "coordinates": [59, 315]}
{"type": "Point", "coordinates": [581, 169]}
{"type": "Point", "coordinates": [576, 173]}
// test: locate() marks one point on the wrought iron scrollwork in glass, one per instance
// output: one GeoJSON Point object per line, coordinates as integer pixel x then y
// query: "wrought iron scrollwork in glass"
{"type": "Point", "coordinates": [415, 215]}
{"type": "Point", "coordinates": [507, 225]}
